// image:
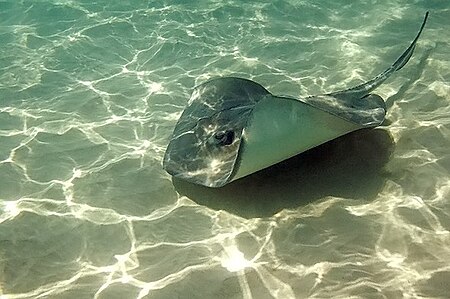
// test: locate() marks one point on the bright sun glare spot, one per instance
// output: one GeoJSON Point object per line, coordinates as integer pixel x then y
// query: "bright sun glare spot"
{"type": "Point", "coordinates": [86, 83]}
{"type": "Point", "coordinates": [155, 87]}
{"type": "Point", "coordinates": [125, 278]}
{"type": "Point", "coordinates": [125, 70]}
{"type": "Point", "coordinates": [215, 165]}
{"type": "Point", "coordinates": [393, 260]}
{"type": "Point", "coordinates": [11, 208]}
{"type": "Point", "coordinates": [77, 173]}
{"type": "Point", "coordinates": [250, 60]}
{"type": "Point", "coordinates": [235, 261]}
{"type": "Point", "coordinates": [121, 258]}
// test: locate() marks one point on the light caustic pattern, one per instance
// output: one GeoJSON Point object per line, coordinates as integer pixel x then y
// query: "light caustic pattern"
{"type": "Point", "coordinates": [90, 93]}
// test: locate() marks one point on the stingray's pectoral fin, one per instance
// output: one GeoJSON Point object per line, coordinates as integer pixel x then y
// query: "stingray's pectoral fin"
{"type": "Point", "coordinates": [367, 87]}
{"type": "Point", "coordinates": [366, 112]}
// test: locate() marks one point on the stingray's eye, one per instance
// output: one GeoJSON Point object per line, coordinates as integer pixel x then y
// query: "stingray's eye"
{"type": "Point", "coordinates": [224, 137]}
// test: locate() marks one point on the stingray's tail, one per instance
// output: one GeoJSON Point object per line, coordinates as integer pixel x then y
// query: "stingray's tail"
{"type": "Point", "coordinates": [365, 88]}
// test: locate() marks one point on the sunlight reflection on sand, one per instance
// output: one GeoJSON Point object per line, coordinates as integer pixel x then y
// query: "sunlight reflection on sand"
{"type": "Point", "coordinates": [90, 93]}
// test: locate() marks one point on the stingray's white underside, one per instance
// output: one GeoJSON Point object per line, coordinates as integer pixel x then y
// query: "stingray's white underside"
{"type": "Point", "coordinates": [280, 128]}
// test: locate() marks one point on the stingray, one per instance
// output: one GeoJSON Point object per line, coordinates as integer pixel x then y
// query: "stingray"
{"type": "Point", "coordinates": [233, 127]}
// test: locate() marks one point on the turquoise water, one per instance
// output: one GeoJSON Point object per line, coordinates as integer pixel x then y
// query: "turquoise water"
{"type": "Point", "coordinates": [91, 91]}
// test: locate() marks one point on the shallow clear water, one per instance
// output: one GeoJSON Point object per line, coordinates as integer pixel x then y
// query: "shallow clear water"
{"type": "Point", "coordinates": [91, 91]}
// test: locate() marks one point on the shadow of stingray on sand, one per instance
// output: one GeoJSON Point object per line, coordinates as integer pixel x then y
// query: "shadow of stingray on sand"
{"type": "Point", "coordinates": [350, 166]}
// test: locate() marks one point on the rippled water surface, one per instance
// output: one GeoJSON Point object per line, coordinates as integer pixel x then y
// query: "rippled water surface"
{"type": "Point", "coordinates": [90, 92]}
